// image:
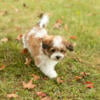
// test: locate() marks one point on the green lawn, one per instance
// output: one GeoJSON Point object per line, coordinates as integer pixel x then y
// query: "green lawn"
{"type": "Point", "coordinates": [83, 20]}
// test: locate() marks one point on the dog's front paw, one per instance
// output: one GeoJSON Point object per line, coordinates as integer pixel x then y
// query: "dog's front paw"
{"type": "Point", "coordinates": [52, 74]}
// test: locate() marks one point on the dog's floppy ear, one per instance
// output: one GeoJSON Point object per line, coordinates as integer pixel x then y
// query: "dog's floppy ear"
{"type": "Point", "coordinates": [47, 42]}
{"type": "Point", "coordinates": [69, 45]}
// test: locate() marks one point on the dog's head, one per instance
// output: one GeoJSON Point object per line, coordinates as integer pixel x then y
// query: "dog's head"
{"type": "Point", "coordinates": [55, 47]}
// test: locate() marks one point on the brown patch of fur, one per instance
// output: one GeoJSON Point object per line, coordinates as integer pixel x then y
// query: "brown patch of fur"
{"type": "Point", "coordinates": [47, 43]}
{"type": "Point", "coordinates": [48, 40]}
{"type": "Point", "coordinates": [34, 45]}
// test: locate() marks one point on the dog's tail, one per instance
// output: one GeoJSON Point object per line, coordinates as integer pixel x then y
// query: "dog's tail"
{"type": "Point", "coordinates": [44, 19]}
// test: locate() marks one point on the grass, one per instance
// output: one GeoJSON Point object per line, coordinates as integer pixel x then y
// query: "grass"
{"type": "Point", "coordinates": [82, 18]}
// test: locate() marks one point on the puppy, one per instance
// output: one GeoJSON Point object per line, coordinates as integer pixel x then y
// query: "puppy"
{"type": "Point", "coordinates": [46, 50]}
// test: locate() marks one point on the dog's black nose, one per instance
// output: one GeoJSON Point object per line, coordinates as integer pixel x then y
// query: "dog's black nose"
{"type": "Point", "coordinates": [57, 57]}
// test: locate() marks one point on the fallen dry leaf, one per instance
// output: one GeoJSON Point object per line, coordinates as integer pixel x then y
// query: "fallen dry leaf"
{"type": "Point", "coordinates": [78, 78]}
{"type": "Point", "coordinates": [58, 24]}
{"type": "Point", "coordinates": [45, 78]}
{"type": "Point", "coordinates": [16, 10]}
{"type": "Point", "coordinates": [19, 37]}
{"type": "Point", "coordinates": [41, 94]}
{"type": "Point", "coordinates": [89, 84]}
{"type": "Point", "coordinates": [59, 21]}
{"type": "Point", "coordinates": [29, 85]}
{"type": "Point", "coordinates": [98, 32]}
{"type": "Point", "coordinates": [46, 98]}
{"type": "Point", "coordinates": [74, 44]}
{"type": "Point", "coordinates": [24, 51]}
{"type": "Point", "coordinates": [5, 39]}
{"type": "Point", "coordinates": [83, 74]}
{"type": "Point", "coordinates": [12, 95]}
{"type": "Point", "coordinates": [2, 13]}
{"type": "Point", "coordinates": [66, 27]}
{"type": "Point", "coordinates": [59, 80]}
{"type": "Point", "coordinates": [2, 67]}
{"type": "Point", "coordinates": [90, 14]}
{"type": "Point", "coordinates": [73, 37]}
{"type": "Point", "coordinates": [62, 16]}
{"type": "Point", "coordinates": [24, 5]}
{"type": "Point", "coordinates": [28, 61]}
{"type": "Point", "coordinates": [18, 28]}
{"type": "Point", "coordinates": [36, 77]}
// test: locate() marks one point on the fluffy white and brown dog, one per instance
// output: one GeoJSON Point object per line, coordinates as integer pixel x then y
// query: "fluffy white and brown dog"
{"type": "Point", "coordinates": [46, 50]}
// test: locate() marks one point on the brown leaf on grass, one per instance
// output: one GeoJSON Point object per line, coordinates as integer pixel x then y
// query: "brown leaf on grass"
{"type": "Point", "coordinates": [46, 98]}
{"type": "Point", "coordinates": [73, 37]}
{"type": "Point", "coordinates": [2, 13]}
{"type": "Point", "coordinates": [2, 67]}
{"type": "Point", "coordinates": [19, 37]}
{"type": "Point", "coordinates": [98, 32]}
{"type": "Point", "coordinates": [36, 77]}
{"type": "Point", "coordinates": [29, 85]}
{"type": "Point", "coordinates": [16, 10]}
{"type": "Point", "coordinates": [90, 14]}
{"type": "Point", "coordinates": [28, 61]}
{"type": "Point", "coordinates": [59, 21]}
{"type": "Point", "coordinates": [83, 74]}
{"type": "Point", "coordinates": [66, 27]}
{"type": "Point", "coordinates": [45, 78]}
{"type": "Point", "coordinates": [78, 59]}
{"type": "Point", "coordinates": [12, 95]}
{"type": "Point", "coordinates": [24, 5]}
{"type": "Point", "coordinates": [78, 78]}
{"type": "Point", "coordinates": [24, 51]}
{"type": "Point", "coordinates": [59, 80]}
{"type": "Point", "coordinates": [89, 84]}
{"type": "Point", "coordinates": [5, 39]}
{"type": "Point", "coordinates": [62, 16]}
{"type": "Point", "coordinates": [74, 44]}
{"type": "Point", "coordinates": [41, 94]}
{"type": "Point", "coordinates": [58, 24]}
{"type": "Point", "coordinates": [18, 28]}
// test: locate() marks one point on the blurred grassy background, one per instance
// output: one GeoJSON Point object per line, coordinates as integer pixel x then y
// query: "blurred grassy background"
{"type": "Point", "coordinates": [82, 19]}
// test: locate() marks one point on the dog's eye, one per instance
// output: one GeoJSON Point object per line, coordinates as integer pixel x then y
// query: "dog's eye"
{"type": "Point", "coordinates": [52, 50]}
{"type": "Point", "coordinates": [63, 51]}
